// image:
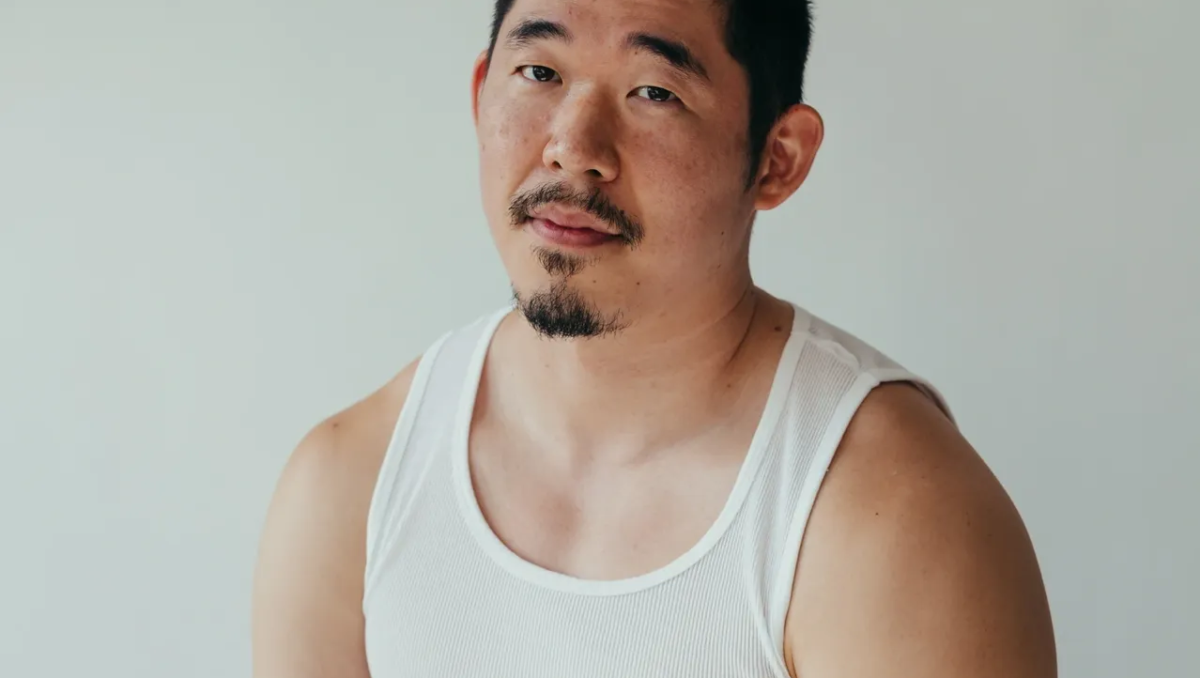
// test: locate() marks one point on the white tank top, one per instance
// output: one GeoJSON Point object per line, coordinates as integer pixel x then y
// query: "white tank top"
{"type": "Point", "coordinates": [445, 597]}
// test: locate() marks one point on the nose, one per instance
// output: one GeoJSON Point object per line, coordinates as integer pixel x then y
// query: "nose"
{"type": "Point", "coordinates": [581, 140]}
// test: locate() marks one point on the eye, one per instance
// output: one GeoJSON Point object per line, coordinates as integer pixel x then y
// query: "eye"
{"type": "Point", "coordinates": [656, 94]}
{"type": "Point", "coordinates": [539, 73]}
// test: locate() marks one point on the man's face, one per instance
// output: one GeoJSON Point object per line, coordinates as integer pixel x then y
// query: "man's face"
{"type": "Point", "coordinates": [613, 153]}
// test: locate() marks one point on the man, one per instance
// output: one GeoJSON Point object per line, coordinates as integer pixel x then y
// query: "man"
{"type": "Point", "coordinates": [619, 476]}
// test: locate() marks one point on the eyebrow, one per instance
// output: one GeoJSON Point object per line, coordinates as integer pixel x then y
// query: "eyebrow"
{"type": "Point", "coordinates": [674, 53]}
{"type": "Point", "coordinates": [532, 30]}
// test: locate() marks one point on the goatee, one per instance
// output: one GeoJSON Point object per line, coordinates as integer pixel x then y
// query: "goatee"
{"type": "Point", "coordinates": [562, 313]}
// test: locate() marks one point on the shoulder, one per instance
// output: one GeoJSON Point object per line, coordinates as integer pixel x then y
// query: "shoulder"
{"type": "Point", "coordinates": [352, 442]}
{"type": "Point", "coordinates": [309, 573]}
{"type": "Point", "coordinates": [915, 561]}
{"type": "Point", "coordinates": [332, 471]}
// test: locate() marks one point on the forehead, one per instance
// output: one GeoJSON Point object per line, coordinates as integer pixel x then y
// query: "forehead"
{"type": "Point", "coordinates": [697, 23]}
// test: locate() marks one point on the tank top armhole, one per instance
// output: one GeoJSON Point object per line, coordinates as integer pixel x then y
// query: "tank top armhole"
{"type": "Point", "coordinates": [781, 592]}
{"type": "Point", "coordinates": [865, 383]}
{"type": "Point", "coordinates": [849, 405]}
{"type": "Point", "coordinates": [382, 496]}
{"type": "Point", "coordinates": [901, 375]}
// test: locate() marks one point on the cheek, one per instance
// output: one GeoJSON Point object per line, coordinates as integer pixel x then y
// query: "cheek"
{"type": "Point", "coordinates": [690, 189]}
{"type": "Point", "coordinates": [508, 149]}
{"type": "Point", "coordinates": [508, 129]}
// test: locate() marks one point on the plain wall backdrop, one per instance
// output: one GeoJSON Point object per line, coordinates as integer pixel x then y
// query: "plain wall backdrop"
{"type": "Point", "coordinates": [222, 221]}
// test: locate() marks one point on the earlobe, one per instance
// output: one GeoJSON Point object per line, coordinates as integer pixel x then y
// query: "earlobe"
{"type": "Point", "coordinates": [789, 155]}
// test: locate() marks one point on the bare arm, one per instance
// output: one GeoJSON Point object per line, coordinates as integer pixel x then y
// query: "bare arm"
{"type": "Point", "coordinates": [308, 583]}
{"type": "Point", "coordinates": [916, 563]}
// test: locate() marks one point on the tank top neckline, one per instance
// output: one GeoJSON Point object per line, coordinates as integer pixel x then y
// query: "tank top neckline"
{"type": "Point", "coordinates": [543, 577]}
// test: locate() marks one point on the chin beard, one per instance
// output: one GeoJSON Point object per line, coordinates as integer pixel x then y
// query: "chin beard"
{"type": "Point", "coordinates": [562, 313]}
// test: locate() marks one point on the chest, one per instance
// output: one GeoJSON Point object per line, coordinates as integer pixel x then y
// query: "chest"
{"type": "Point", "coordinates": [598, 521]}
{"type": "Point", "coordinates": [464, 613]}
{"type": "Point", "coordinates": [449, 633]}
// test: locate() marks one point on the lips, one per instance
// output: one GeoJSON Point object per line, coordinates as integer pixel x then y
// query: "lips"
{"type": "Point", "coordinates": [570, 236]}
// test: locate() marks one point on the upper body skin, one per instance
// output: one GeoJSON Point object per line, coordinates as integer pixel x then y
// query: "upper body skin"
{"type": "Point", "coordinates": [914, 562]}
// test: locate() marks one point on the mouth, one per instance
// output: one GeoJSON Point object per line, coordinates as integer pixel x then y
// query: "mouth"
{"type": "Point", "coordinates": [565, 235]}
{"type": "Point", "coordinates": [560, 214]}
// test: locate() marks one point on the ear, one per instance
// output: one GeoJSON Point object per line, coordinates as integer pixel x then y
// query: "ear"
{"type": "Point", "coordinates": [478, 77]}
{"type": "Point", "coordinates": [788, 156]}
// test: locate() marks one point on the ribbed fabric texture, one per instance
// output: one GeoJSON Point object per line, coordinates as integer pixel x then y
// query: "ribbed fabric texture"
{"type": "Point", "coordinates": [444, 597]}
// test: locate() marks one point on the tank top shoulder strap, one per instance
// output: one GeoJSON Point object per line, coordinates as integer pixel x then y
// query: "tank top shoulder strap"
{"type": "Point", "coordinates": [834, 374]}
{"type": "Point", "coordinates": [427, 416]}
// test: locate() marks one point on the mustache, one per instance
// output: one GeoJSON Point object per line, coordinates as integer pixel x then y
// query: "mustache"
{"type": "Point", "coordinates": [594, 203]}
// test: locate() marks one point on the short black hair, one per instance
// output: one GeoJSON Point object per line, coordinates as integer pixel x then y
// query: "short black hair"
{"type": "Point", "coordinates": [771, 39]}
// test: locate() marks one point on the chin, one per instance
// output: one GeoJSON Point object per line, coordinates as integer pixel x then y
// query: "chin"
{"type": "Point", "coordinates": [559, 310]}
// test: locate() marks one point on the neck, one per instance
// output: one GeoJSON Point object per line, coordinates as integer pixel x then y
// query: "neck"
{"type": "Point", "coordinates": [652, 386]}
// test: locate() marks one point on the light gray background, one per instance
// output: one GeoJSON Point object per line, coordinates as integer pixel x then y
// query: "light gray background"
{"type": "Point", "coordinates": [221, 221]}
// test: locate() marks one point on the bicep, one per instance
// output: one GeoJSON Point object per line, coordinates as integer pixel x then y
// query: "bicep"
{"type": "Point", "coordinates": [307, 614]}
{"type": "Point", "coordinates": [944, 604]}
